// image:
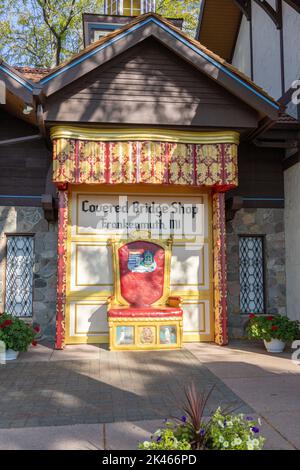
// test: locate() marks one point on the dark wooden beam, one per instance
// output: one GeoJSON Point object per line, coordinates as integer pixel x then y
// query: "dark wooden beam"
{"type": "Point", "coordinates": [49, 205]}
{"type": "Point", "coordinates": [245, 7]}
{"type": "Point", "coordinates": [232, 206]}
{"type": "Point", "coordinates": [294, 4]}
{"type": "Point", "coordinates": [274, 13]}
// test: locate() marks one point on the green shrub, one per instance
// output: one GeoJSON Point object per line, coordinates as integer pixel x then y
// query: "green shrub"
{"type": "Point", "coordinates": [16, 334]}
{"type": "Point", "coordinates": [269, 327]}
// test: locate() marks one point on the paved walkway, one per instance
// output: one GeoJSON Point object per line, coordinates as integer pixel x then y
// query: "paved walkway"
{"type": "Point", "coordinates": [64, 398]}
{"type": "Point", "coordinates": [103, 387]}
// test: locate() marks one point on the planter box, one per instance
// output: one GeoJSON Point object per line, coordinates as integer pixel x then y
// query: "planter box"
{"type": "Point", "coordinates": [8, 355]}
{"type": "Point", "coordinates": [274, 346]}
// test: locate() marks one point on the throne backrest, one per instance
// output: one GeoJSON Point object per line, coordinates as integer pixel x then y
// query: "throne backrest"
{"type": "Point", "coordinates": [142, 273]}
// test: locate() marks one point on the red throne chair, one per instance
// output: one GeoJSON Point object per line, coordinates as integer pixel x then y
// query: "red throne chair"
{"type": "Point", "coordinates": [141, 314]}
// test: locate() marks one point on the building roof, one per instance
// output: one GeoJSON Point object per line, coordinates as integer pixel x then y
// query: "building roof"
{"type": "Point", "coordinates": [34, 74]}
{"type": "Point", "coordinates": [151, 24]}
{"type": "Point", "coordinates": [188, 48]}
{"type": "Point", "coordinates": [222, 16]}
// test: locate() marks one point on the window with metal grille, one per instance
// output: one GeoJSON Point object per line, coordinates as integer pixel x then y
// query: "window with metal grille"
{"type": "Point", "coordinates": [128, 7]}
{"type": "Point", "coordinates": [251, 254]}
{"type": "Point", "coordinates": [19, 275]}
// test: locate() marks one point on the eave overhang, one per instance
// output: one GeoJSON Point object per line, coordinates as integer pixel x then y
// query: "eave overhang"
{"type": "Point", "coordinates": [16, 83]}
{"type": "Point", "coordinates": [188, 49]}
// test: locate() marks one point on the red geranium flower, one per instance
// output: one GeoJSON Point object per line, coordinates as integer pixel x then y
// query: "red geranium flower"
{"type": "Point", "coordinates": [274, 328]}
{"type": "Point", "coordinates": [34, 343]}
{"type": "Point", "coordinates": [37, 328]}
{"type": "Point", "coordinates": [2, 326]}
{"type": "Point", "coordinates": [252, 316]}
{"type": "Point", "coordinates": [7, 322]}
{"type": "Point", "coordinates": [270, 317]}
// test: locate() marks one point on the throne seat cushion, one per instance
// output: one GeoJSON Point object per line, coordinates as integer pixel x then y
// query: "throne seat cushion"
{"type": "Point", "coordinates": [145, 312]}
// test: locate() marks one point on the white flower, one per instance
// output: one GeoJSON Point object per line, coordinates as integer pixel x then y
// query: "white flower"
{"type": "Point", "coordinates": [221, 424]}
{"type": "Point", "coordinates": [146, 444]}
{"type": "Point", "coordinates": [229, 424]}
{"type": "Point", "coordinates": [225, 444]}
{"type": "Point", "coordinates": [255, 442]}
{"type": "Point", "coordinates": [157, 433]}
{"type": "Point", "coordinates": [221, 439]}
{"type": "Point", "coordinates": [238, 441]}
{"type": "Point", "coordinates": [250, 445]}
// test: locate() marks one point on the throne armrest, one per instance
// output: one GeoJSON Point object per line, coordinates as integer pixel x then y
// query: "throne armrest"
{"type": "Point", "coordinates": [174, 301]}
{"type": "Point", "coordinates": [111, 301]}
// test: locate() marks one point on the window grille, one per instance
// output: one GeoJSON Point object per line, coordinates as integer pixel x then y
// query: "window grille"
{"type": "Point", "coordinates": [19, 275]}
{"type": "Point", "coordinates": [251, 254]}
{"type": "Point", "coordinates": [129, 7]}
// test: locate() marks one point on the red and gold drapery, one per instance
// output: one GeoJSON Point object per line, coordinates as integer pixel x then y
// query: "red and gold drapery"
{"type": "Point", "coordinates": [86, 161]}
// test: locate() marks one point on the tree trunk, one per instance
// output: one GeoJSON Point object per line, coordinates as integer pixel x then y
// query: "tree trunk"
{"type": "Point", "coordinates": [58, 51]}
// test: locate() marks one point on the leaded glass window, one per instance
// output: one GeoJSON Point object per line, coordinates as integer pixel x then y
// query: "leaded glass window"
{"type": "Point", "coordinates": [129, 7]}
{"type": "Point", "coordinates": [251, 253]}
{"type": "Point", "coordinates": [19, 275]}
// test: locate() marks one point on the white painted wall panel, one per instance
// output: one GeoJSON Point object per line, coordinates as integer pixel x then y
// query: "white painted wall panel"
{"type": "Point", "coordinates": [266, 52]}
{"type": "Point", "coordinates": [291, 38]}
{"type": "Point", "coordinates": [292, 236]}
{"type": "Point", "coordinates": [242, 54]}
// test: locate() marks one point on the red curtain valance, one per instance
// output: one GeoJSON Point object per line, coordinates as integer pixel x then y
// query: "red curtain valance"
{"type": "Point", "coordinates": [90, 162]}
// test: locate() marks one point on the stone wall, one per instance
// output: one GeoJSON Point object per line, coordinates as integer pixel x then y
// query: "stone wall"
{"type": "Point", "coordinates": [268, 222]}
{"type": "Point", "coordinates": [22, 220]}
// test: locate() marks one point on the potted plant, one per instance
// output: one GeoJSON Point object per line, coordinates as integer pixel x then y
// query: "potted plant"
{"type": "Point", "coordinates": [223, 431]}
{"type": "Point", "coordinates": [16, 335]}
{"type": "Point", "coordinates": [274, 330]}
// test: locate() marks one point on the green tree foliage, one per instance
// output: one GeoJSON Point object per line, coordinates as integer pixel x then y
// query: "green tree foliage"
{"type": "Point", "coordinates": [44, 33]}
{"type": "Point", "coordinates": [185, 9]}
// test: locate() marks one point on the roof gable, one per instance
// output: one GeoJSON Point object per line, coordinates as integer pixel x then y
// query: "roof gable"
{"type": "Point", "coordinates": [190, 50]}
{"type": "Point", "coordinates": [149, 85]}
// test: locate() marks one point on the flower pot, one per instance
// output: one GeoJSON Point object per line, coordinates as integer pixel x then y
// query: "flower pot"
{"type": "Point", "coordinates": [11, 355]}
{"type": "Point", "coordinates": [274, 346]}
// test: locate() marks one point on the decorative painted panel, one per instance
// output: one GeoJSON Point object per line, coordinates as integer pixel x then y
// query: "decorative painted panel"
{"type": "Point", "coordinates": [87, 322]}
{"type": "Point", "coordinates": [61, 268]}
{"type": "Point", "coordinates": [190, 268]}
{"type": "Point", "coordinates": [220, 269]}
{"type": "Point", "coordinates": [90, 270]}
{"type": "Point", "coordinates": [91, 267]}
{"type": "Point", "coordinates": [196, 319]}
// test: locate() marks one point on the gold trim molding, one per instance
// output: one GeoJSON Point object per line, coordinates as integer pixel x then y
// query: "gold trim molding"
{"type": "Point", "coordinates": [114, 135]}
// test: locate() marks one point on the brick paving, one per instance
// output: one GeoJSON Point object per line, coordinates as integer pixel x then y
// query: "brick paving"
{"type": "Point", "coordinates": [117, 386]}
